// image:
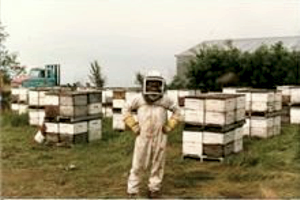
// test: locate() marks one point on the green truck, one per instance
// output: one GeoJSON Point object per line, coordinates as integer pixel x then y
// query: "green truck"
{"type": "Point", "coordinates": [39, 77]}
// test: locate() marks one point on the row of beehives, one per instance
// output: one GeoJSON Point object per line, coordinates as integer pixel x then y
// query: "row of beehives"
{"type": "Point", "coordinates": [67, 116]}
{"type": "Point", "coordinates": [121, 96]}
{"type": "Point", "coordinates": [259, 100]}
{"type": "Point", "coordinates": [290, 98]}
{"type": "Point", "coordinates": [291, 104]}
{"type": "Point", "coordinates": [213, 125]}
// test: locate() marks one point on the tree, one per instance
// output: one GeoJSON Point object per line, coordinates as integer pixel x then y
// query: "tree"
{"type": "Point", "coordinates": [139, 78]}
{"type": "Point", "coordinates": [96, 76]}
{"type": "Point", "coordinates": [9, 66]}
{"type": "Point", "coordinates": [215, 67]}
{"type": "Point", "coordinates": [177, 83]}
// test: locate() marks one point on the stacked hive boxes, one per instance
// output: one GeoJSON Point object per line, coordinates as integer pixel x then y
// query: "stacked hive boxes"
{"type": "Point", "coordinates": [291, 103]}
{"type": "Point", "coordinates": [37, 104]}
{"type": "Point", "coordinates": [213, 125]}
{"type": "Point", "coordinates": [263, 108]}
{"type": "Point", "coordinates": [107, 108]}
{"type": "Point", "coordinates": [73, 117]}
{"type": "Point", "coordinates": [19, 102]}
{"type": "Point", "coordinates": [119, 96]}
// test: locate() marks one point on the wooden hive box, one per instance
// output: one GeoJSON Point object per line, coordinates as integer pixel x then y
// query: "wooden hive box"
{"type": "Point", "coordinates": [262, 127]}
{"type": "Point", "coordinates": [52, 98]}
{"type": "Point", "coordinates": [52, 127]}
{"type": "Point", "coordinates": [218, 150]}
{"type": "Point", "coordinates": [94, 97]}
{"type": "Point", "coordinates": [218, 138]}
{"type": "Point", "coordinates": [194, 110]}
{"type": "Point", "coordinates": [36, 117]}
{"type": "Point", "coordinates": [94, 129]}
{"type": "Point", "coordinates": [73, 111]}
{"type": "Point", "coordinates": [118, 103]}
{"type": "Point", "coordinates": [23, 95]}
{"type": "Point", "coordinates": [295, 115]}
{"type": "Point", "coordinates": [220, 102]}
{"type": "Point", "coordinates": [73, 99]}
{"type": "Point", "coordinates": [73, 128]}
{"type": "Point", "coordinates": [118, 123]}
{"type": "Point", "coordinates": [295, 95]}
{"type": "Point", "coordinates": [219, 118]}
{"type": "Point", "coordinates": [192, 143]}
{"type": "Point", "coordinates": [95, 108]}
{"type": "Point", "coordinates": [119, 94]}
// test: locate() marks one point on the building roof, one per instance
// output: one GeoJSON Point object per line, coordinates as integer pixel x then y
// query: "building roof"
{"type": "Point", "coordinates": [247, 44]}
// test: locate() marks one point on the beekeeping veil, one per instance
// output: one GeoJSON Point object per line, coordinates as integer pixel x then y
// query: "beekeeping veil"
{"type": "Point", "coordinates": [153, 86]}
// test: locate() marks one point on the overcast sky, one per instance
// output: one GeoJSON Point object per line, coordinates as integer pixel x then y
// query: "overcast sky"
{"type": "Point", "coordinates": [127, 36]}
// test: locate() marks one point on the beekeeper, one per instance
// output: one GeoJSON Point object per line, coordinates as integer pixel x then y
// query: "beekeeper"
{"type": "Point", "coordinates": [151, 129]}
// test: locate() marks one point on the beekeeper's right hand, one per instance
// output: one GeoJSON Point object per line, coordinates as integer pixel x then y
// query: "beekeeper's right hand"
{"type": "Point", "coordinates": [132, 124]}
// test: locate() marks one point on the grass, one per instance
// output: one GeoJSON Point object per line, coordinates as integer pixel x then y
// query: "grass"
{"type": "Point", "coordinates": [265, 169]}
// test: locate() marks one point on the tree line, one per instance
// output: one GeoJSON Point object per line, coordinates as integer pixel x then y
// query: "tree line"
{"type": "Point", "coordinates": [215, 67]}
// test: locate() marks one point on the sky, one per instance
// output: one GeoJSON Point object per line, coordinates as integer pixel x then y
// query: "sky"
{"type": "Point", "coordinates": [130, 36]}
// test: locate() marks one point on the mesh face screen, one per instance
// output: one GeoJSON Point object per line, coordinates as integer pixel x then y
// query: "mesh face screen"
{"type": "Point", "coordinates": [154, 86]}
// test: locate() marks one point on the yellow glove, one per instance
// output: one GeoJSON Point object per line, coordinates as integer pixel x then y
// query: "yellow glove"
{"type": "Point", "coordinates": [132, 124]}
{"type": "Point", "coordinates": [170, 125]}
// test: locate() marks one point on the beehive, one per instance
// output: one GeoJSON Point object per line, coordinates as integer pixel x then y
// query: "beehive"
{"type": "Point", "coordinates": [295, 115]}
{"type": "Point", "coordinates": [94, 129]}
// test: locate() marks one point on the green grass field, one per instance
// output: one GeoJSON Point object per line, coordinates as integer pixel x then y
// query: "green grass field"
{"type": "Point", "coordinates": [267, 168]}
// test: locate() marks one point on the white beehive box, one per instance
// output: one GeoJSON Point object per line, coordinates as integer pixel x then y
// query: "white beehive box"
{"type": "Point", "coordinates": [194, 104]}
{"type": "Point", "coordinates": [51, 99]}
{"type": "Point", "coordinates": [73, 128]}
{"type": "Point", "coordinates": [52, 127]}
{"type": "Point", "coordinates": [94, 97]}
{"type": "Point", "coordinates": [219, 118]}
{"type": "Point", "coordinates": [94, 108]}
{"type": "Point", "coordinates": [295, 115]}
{"type": "Point", "coordinates": [36, 117]}
{"type": "Point", "coordinates": [33, 97]}
{"type": "Point", "coordinates": [23, 94]}
{"type": "Point", "coordinates": [233, 90]}
{"type": "Point", "coordinates": [295, 95]}
{"type": "Point", "coordinates": [118, 103]}
{"type": "Point", "coordinates": [94, 129]}
{"type": "Point", "coordinates": [118, 123]}
{"type": "Point", "coordinates": [285, 89]}
{"type": "Point", "coordinates": [109, 96]}
{"type": "Point", "coordinates": [73, 99]}
{"type": "Point", "coordinates": [73, 111]}
{"type": "Point", "coordinates": [262, 127]}
{"type": "Point", "coordinates": [220, 103]}
{"type": "Point", "coordinates": [218, 138]}
{"type": "Point", "coordinates": [193, 116]}
{"type": "Point", "coordinates": [192, 143]}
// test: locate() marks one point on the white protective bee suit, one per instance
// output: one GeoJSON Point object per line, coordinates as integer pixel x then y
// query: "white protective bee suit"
{"type": "Point", "coordinates": [151, 127]}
